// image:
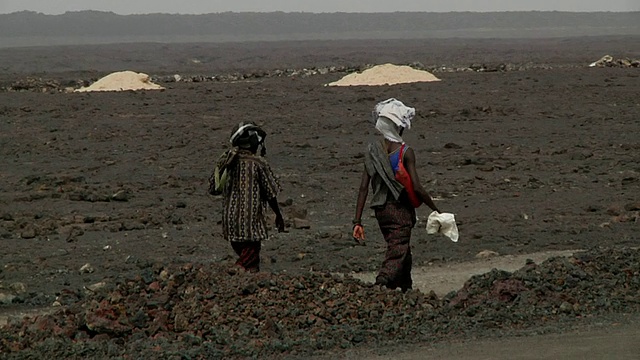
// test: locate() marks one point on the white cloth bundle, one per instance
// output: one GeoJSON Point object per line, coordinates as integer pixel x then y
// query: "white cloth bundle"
{"type": "Point", "coordinates": [388, 129]}
{"type": "Point", "coordinates": [443, 223]}
{"type": "Point", "coordinates": [395, 111]}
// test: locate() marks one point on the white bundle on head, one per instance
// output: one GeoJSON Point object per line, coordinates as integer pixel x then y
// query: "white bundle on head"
{"type": "Point", "coordinates": [391, 115]}
{"type": "Point", "coordinates": [389, 129]}
{"type": "Point", "coordinates": [396, 111]}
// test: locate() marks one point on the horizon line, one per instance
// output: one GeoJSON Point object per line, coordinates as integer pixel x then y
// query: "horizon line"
{"type": "Point", "coordinates": [325, 12]}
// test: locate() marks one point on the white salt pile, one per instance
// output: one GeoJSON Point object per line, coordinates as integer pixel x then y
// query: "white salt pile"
{"type": "Point", "coordinates": [122, 81]}
{"type": "Point", "coordinates": [387, 74]}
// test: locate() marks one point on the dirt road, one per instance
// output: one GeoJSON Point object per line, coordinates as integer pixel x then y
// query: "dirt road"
{"type": "Point", "coordinates": [443, 278]}
{"type": "Point", "coordinates": [603, 342]}
{"type": "Point", "coordinates": [610, 342]}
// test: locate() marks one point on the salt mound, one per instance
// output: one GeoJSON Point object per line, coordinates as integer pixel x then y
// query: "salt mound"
{"type": "Point", "coordinates": [122, 81]}
{"type": "Point", "coordinates": [387, 74]}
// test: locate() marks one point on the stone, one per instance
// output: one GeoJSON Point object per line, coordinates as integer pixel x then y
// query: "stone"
{"type": "Point", "coordinates": [301, 224]}
{"type": "Point", "coordinates": [96, 287]}
{"type": "Point", "coordinates": [287, 202]}
{"type": "Point", "coordinates": [86, 269]}
{"type": "Point", "coordinates": [273, 315]}
{"type": "Point", "coordinates": [60, 252]}
{"type": "Point", "coordinates": [75, 233]}
{"type": "Point", "coordinates": [6, 299]}
{"type": "Point", "coordinates": [121, 195]}
{"type": "Point", "coordinates": [29, 232]}
{"type": "Point", "coordinates": [615, 210]}
{"type": "Point", "coordinates": [632, 206]}
{"type": "Point", "coordinates": [629, 180]}
{"type": "Point", "coordinates": [17, 287]}
{"type": "Point", "coordinates": [486, 254]}
{"type": "Point", "coordinates": [297, 212]}
{"type": "Point", "coordinates": [181, 322]}
{"type": "Point", "coordinates": [566, 308]}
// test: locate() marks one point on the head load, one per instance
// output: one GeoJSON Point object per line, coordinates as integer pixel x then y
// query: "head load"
{"type": "Point", "coordinates": [249, 136]}
{"type": "Point", "coordinates": [392, 117]}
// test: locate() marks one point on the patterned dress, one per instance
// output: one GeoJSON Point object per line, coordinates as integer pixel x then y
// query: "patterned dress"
{"type": "Point", "coordinates": [396, 219]}
{"type": "Point", "coordinates": [250, 186]}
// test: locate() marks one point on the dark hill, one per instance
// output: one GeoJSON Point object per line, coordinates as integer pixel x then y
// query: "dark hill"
{"type": "Point", "coordinates": [92, 27]}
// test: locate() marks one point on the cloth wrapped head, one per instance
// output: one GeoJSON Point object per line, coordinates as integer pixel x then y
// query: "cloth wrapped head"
{"type": "Point", "coordinates": [391, 117]}
{"type": "Point", "coordinates": [248, 136]}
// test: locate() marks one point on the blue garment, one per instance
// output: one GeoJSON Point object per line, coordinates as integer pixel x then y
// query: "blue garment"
{"type": "Point", "coordinates": [394, 158]}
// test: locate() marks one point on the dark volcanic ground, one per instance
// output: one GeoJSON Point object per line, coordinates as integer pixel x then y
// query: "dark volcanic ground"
{"type": "Point", "coordinates": [528, 160]}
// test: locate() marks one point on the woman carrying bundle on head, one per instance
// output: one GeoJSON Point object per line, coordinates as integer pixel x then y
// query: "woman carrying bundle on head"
{"type": "Point", "coordinates": [390, 168]}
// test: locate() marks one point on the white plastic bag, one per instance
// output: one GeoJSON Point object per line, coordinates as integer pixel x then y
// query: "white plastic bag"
{"type": "Point", "coordinates": [443, 223]}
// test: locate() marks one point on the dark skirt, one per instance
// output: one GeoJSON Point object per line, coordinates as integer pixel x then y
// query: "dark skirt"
{"type": "Point", "coordinates": [396, 219]}
{"type": "Point", "coordinates": [249, 255]}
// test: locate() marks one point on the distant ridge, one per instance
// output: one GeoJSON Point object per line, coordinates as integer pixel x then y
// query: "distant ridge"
{"type": "Point", "coordinates": [93, 27]}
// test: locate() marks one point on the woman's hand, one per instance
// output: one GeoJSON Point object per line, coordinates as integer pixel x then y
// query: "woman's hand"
{"type": "Point", "coordinates": [358, 234]}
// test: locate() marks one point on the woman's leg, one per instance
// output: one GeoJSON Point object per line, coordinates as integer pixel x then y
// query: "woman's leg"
{"type": "Point", "coordinates": [248, 255]}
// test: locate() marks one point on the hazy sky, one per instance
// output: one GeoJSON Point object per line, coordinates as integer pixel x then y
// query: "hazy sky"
{"type": "Point", "coordinates": [212, 6]}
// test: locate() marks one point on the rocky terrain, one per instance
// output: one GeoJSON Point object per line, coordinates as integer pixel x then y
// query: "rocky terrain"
{"type": "Point", "coordinates": [106, 225]}
{"type": "Point", "coordinates": [204, 311]}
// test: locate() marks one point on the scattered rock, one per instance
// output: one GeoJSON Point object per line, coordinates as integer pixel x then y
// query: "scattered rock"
{"type": "Point", "coordinates": [95, 197]}
{"type": "Point", "coordinates": [301, 224]}
{"type": "Point", "coordinates": [629, 180]}
{"type": "Point", "coordinates": [287, 202]}
{"type": "Point", "coordinates": [35, 85]}
{"type": "Point", "coordinates": [121, 195]}
{"type": "Point", "coordinates": [452, 146]}
{"type": "Point", "coordinates": [609, 61]}
{"type": "Point", "coordinates": [29, 232]}
{"type": "Point", "coordinates": [583, 155]}
{"type": "Point", "coordinates": [17, 288]}
{"type": "Point", "coordinates": [565, 307]}
{"type": "Point", "coordinates": [622, 218]}
{"type": "Point", "coordinates": [633, 206]}
{"type": "Point", "coordinates": [297, 212]}
{"type": "Point", "coordinates": [135, 225]}
{"type": "Point", "coordinates": [41, 85]}
{"type": "Point", "coordinates": [86, 269]}
{"type": "Point", "coordinates": [615, 210]}
{"type": "Point", "coordinates": [60, 252]}
{"type": "Point", "coordinates": [6, 299]}
{"type": "Point", "coordinates": [272, 315]}
{"type": "Point", "coordinates": [486, 254]}
{"type": "Point", "coordinates": [74, 234]}
{"type": "Point", "coordinates": [96, 287]}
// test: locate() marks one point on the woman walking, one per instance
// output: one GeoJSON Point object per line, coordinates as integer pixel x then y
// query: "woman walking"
{"type": "Point", "coordinates": [388, 164]}
{"type": "Point", "coordinates": [251, 185]}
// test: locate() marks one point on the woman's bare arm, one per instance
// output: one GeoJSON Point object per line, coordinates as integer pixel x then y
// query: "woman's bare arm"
{"type": "Point", "coordinates": [362, 195]}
